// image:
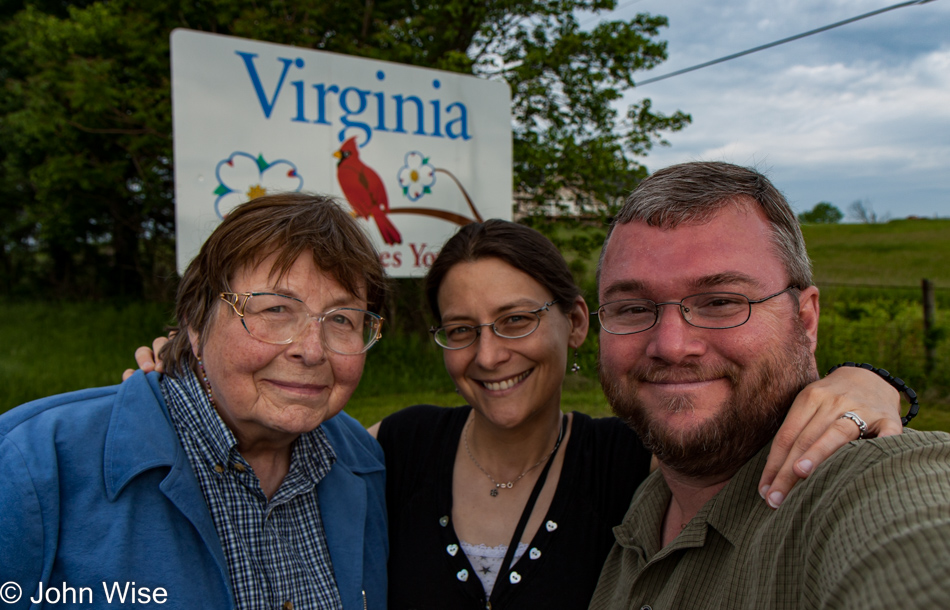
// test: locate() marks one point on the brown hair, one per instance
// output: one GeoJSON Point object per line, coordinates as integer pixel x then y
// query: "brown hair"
{"type": "Point", "coordinates": [521, 247]}
{"type": "Point", "coordinates": [695, 192]}
{"type": "Point", "coordinates": [285, 224]}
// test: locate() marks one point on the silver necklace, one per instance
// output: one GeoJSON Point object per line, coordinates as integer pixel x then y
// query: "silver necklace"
{"type": "Point", "coordinates": [511, 483]}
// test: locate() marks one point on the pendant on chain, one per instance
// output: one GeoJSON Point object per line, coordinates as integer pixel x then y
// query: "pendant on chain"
{"type": "Point", "coordinates": [494, 491]}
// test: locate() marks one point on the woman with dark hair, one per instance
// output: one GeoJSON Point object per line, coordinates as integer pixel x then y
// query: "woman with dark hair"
{"type": "Point", "coordinates": [508, 502]}
{"type": "Point", "coordinates": [234, 480]}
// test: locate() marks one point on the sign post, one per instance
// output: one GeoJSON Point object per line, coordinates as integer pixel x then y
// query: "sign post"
{"type": "Point", "coordinates": [413, 153]}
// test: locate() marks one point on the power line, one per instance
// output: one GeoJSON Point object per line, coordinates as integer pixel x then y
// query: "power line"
{"type": "Point", "coordinates": [778, 42]}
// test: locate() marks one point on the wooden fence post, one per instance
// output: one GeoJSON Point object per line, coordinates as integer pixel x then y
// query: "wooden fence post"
{"type": "Point", "coordinates": [929, 334]}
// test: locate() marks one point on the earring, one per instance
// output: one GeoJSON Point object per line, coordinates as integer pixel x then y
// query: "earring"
{"type": "Point", "coordinates": [204, 378]}
{"type": "Point", "coordinates": [575, 367]}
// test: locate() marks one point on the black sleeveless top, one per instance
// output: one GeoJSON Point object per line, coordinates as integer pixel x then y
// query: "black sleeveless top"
{"type": "Point", "coordinates": [604, 464]}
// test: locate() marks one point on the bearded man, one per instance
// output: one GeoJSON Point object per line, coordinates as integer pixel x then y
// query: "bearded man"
{"type": "Point", "coordinates": [709, 325]}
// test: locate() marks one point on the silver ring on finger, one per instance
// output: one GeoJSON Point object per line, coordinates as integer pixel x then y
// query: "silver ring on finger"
{"type": "Point", "coordinates": [862, 425]}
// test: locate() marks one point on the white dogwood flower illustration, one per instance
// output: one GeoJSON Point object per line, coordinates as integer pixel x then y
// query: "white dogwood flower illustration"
{"type": "Point", "coordinates": [416, 177]}
{"type": "Point", "coordinates": [242, 177]}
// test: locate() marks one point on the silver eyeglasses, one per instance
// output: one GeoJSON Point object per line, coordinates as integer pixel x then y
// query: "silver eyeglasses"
{"type": "Point", "coordinates": [717, 310]}
{"type": "Point", "coordinates": [280, 319]}
{"type": "Point", "coordinates": [512, 325]}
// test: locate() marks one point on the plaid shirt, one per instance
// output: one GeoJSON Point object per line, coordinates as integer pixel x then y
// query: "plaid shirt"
{"type": "Point", "coordinates": [276, 549]}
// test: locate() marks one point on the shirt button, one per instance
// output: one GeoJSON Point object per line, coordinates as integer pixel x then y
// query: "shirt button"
{"type": "Point", "coordinates": [288, 605]}
{"type": "Point", "coordinates": [239, 467]}
{"type": "Point", "coordinates": [218, 468]}
{"type": "Point", "coordinates": [645, 607]}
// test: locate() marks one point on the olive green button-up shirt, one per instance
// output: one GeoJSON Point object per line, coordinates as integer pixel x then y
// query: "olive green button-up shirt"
{"type": "Point", "coordinates": [870, 528]}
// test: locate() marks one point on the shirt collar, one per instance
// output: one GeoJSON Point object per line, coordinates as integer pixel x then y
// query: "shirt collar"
{"type": "Point", "coordinates": [643, 524]}
{"type": "Point", "coordinates": [314, 453]}
{"type": "Point", "coordinates": [194, 415]}
{"type": "Point", "coordinates": [738, 504]}
{"type": "Point", "coordinates": [729, 512]}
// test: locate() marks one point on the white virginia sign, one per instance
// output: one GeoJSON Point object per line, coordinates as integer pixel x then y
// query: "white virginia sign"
{"type": "Point", "coordinates": [414, 153]}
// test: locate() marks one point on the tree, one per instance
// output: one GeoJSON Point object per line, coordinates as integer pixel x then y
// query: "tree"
{"type": "Point", "coordinates": [87, 162]}
{"type": "Point", "coordinates": [863, 212]}
{"type": "Point", "coordinates": [86, 167]}
{"type": "Point", "coordinates": [822, 213]}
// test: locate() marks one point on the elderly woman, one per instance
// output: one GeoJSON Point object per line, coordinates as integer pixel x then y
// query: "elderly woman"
{"type": "Point", "coordinates": [233, 481]}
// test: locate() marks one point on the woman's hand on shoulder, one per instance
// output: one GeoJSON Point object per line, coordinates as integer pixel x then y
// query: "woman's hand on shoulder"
{"type": "Point", "coordinates": [814, 427]}
{"type": "Point", "coordinates": [146, 358]}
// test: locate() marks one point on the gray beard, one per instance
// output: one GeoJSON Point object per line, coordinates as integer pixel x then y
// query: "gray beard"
{"type": "Point", "coordinates": [745, 423]}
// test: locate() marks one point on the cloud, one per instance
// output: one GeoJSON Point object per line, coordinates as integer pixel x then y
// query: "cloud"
{"type": "Point", "coordinates": [862, 111]}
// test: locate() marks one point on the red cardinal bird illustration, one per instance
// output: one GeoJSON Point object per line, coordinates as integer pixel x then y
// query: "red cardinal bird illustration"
{"type": "Point", "coordinates": [363, 188]}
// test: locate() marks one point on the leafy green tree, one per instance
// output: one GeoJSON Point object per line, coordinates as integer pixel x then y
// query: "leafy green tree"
{"type": "Point", "coordinates": [822, 213]}
{"type": "Point", "coordinates": [86, 164]}
{"type": "Point", "coordinates": [87, 158]}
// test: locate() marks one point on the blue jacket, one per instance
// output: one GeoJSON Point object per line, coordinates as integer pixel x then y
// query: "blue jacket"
{"type": "Point", "coordinates": [95, 489]}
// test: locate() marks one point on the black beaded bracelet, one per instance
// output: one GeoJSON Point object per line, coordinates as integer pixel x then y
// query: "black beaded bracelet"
{"type": "Point", "coordinates": [894, 381]}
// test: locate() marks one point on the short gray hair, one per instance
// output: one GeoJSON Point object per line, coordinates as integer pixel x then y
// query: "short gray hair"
{"type": "Point", "coordinates": [695, 192]}
{"type": "Point", "coordinates": [289, 225]}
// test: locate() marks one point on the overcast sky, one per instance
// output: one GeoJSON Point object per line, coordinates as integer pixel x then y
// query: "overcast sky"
{"type": "Point", "coordinates": [857, 112]}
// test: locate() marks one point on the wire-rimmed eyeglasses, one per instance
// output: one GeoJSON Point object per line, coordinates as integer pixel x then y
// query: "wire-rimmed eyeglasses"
{"type": "Point", "coordinates": [279, 319]}
{"type": "Point", "coordinates": [717, 310]}
{"type": "Point", "coordinates": [512, 325]}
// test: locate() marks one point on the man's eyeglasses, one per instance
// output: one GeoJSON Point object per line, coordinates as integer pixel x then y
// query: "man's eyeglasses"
{"type": "Point", "coordinates": [280, 319]}
{"type": "Point", "coordinates": [707, 310]}
{"type": "Point", "coordinates": [513, 325]}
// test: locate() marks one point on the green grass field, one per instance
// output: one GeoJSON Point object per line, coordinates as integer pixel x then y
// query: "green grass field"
{"type": "Point", "coordinates": [897, 253]}
{"type": "Point", "coordinates": [48, 348]}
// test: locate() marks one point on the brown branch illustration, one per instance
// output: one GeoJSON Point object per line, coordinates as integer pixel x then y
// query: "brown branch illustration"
{"type": "Point", "coordinates": [468, 199]}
